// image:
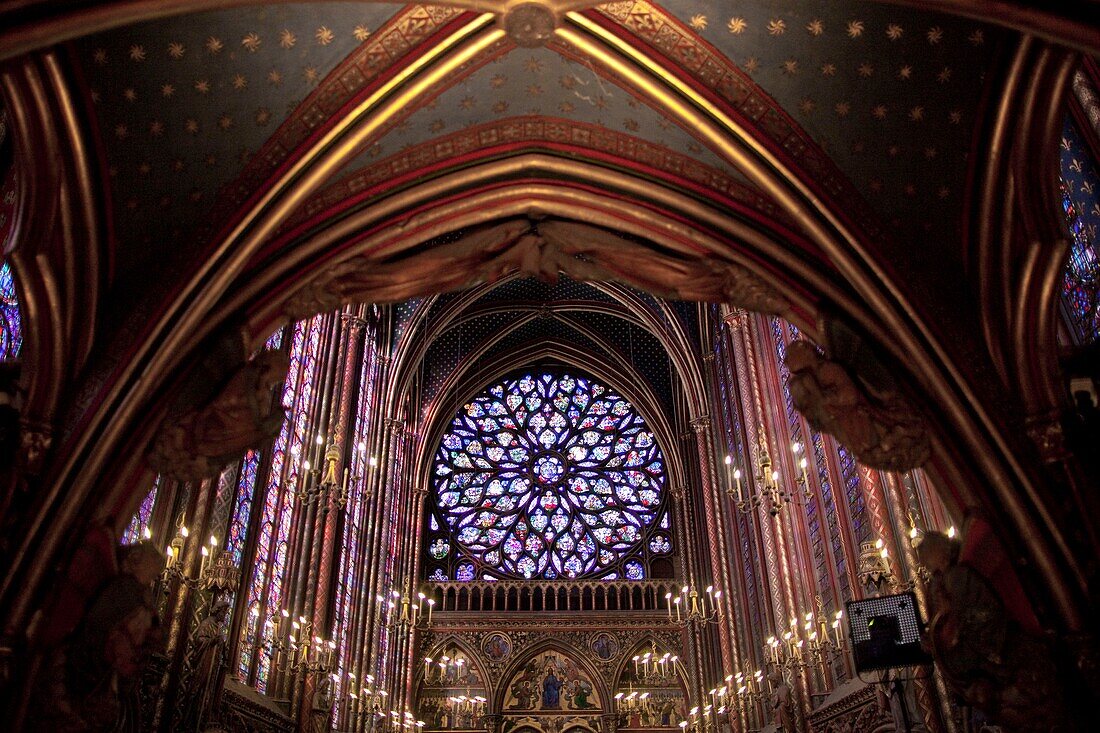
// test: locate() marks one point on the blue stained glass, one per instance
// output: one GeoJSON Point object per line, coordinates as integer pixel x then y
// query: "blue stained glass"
{"type": "Point", "coordinates": [562, 488]}
{"type": "Point", "coordinates": [1080, 188]}
{"type": "Point", "coordinates": [140, 521]}
{"type": "Point", "coordinates": [11, 324]}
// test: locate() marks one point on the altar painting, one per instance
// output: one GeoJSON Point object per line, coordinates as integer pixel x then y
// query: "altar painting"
{"type": "Point", "coordinates": [551, 683]}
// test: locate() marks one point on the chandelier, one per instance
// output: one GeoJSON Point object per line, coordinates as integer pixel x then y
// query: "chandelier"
{"type": "Point", "coordinates": [772, 494]}
{"type": "Point", "coordinates": [692, 607]}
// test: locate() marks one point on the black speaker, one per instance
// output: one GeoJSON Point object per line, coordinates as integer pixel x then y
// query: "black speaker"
{"type": "Point", "coordinates": [885, 632]}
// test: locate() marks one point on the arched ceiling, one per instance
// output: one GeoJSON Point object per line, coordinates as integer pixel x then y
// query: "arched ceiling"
{"type": "Point", "coordinates": [194, 112]}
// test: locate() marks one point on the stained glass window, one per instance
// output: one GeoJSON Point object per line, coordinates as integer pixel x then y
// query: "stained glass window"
{"type": "Point", "coordinates": [545, 476]}
{"type": "Point", "coordinates": [1080, 188]}
{"type": "Point", "coordinates": [11, 326]}
{"type": "Point", "coordinates": [140, 521]}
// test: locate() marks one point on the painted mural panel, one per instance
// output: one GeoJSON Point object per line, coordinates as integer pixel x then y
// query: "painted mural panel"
{"type": "Point", "coordinates": [551, 682]}
{"type": "Point", "coordinates": [649, 696]}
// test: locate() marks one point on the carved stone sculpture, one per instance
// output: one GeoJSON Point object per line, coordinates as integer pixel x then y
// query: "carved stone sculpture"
{"type": "Point", "coordinates": [206, 665]}
{"type": "Point", "coordinates": [985, 656]}
{"type": "Point", "coordinates": [242, 415]}
{"type": "Point", "coordinates": [780, 702]}
{"type": "Point", "coordinates": [91, 681]}
{"type": "Point", "coordinates": [875, 421]}
{"type": "Point", "coordinates": [544, 250]}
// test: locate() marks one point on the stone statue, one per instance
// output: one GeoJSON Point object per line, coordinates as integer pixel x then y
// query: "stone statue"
{"type": "Point", "coordinates": [978, 643]}
{"type": "Point", "coordinates": [873, 419]}
{"type": "Point", "coordinates": [780, 702]}
{"type": "Point", "coordinates": [92, 681]}
{"type": "Point", "coordinates": [207, 665]}
{"type": "Point", "coordinates": [241, 415]}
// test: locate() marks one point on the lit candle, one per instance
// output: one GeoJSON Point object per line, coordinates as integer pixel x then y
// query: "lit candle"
{"type": "Point", "coordinates": [710, 595]}
{"type": "Point", "coordinates": [677, 603]}
{"type": "Point", "coordinates": [202, 563]}
{"type": "Point", "coordinates": [431, 605]}
{"type": "Point", "coordinates": [668, 603]}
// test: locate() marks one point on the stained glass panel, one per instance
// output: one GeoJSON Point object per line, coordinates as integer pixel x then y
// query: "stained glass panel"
{"type": "Point", "coordinates": [548, 475]}
{"type": "Point", "coordinates": [11, 325]}
{"type": "Point", "coordinates": [1080, 188]}
{"type": "Point", "coordinates": [140, 521]}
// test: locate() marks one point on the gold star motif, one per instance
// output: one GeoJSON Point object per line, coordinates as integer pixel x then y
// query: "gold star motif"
{"type": "Point", "coordinates": [532, 64]}
{"type": "Point", "coordinates": [894, 32]}
{"type": "Point", "coordinates": [631, 124]}
{"type": "Point", "coordinates": [935, 35]}
{"type": "Point", "coordinates": [467, 103]}
{"type": "Point", "coordinates": [251, 42]}
{"type": "Point", "coordinates": [191, 126]}
{"type": "Point", "coordinates": [943, 192]}
{"type": "Point", "coordinates": [225, 122]}
{"type": "Point", "coordinates": [130, 95]}
{"type": "Point", "coordinates": [202, 86]}
{"type": "Point", "coordinates": [263, 115]}
{"type": "Point", "coordinates": [211, 160]}
{"type": "Point", "coordinates": [287, 39]}
{"type": "Point", "coordinates": [361, 32]}
{"type": "Point", "coordinates": [893, 151]}
{"type": "Point", "coordinates": [167, 90]}
{"type": "Point", "coordinates": [977, 38]}
{"type": "Point", "coordinates": [855, 28]}
{"type": "Point", "coordinates": [310, 73]}
{"type": "Point", "coordinates": [945, 75]}
{"type": "Point", "coordinates": [790, 67]}
{"type": "Point", "coordinates": [121, 131]}
{"type": "Point", "coordinates": [437, 126]}
{"type": "Point", "coordinates": [905, 72]}
{"type": "Point", "coordinates": [842, 109]}
{"type": "Point", "coordinates": [828, 69]}
{"type": "Point", "coordinates": [324, 36]}
{"type": "Point", "coordinates": [534, 90]}
{"type": "Point", "coordinates": [879, 111]}
{"type": "Point", "coordinates": [865, 69]}
{"type": "Point", "coordinates": [777, 27]}
{"type": "Point", "coordinates": [752, 64]}
{"type": "Point", "coordinates": [175, 50]}
{"type": "Point", "coordinates": [568, 81]}
{"type": "Point", "coordinates": [875, 185]}
{"type": "Point", "coordinates": [156, 128]}
{"type": "Point", "coordinates": [498, 81]}
{"type": "Point", "coordinates": [144, 168]}
{"type": "Point", "coordinates": [239, 81]}
{"type": "Point", "coordinates": [737, 25]}
{"type": "Point", "coordinates": [100, 56]}
{"type": "Point", "coordinates": [566, 107]}
{"type": "Point", "coordinates": [815, 27]}
{"type": "Point", "coordinates": [137, 53]}
{"type": "Point", "coordinates": [807, 105]}
{"type": "Point", "coordinates": [910, 189]}
{"type": "Point", "coordinates": [699, 22]}
{"type": "Point", "coordinates": [916, 114]}
{"type": "Point", "coordinates": [955, 116]}
{"type": "Point", "coordinates": [275, 77]}
{"type": "Point", "coordinates": [177, 165]}
{"type": "Point", "coordinates": [214, 45]}
{"type": "Point", "coordinates": [930, 152]}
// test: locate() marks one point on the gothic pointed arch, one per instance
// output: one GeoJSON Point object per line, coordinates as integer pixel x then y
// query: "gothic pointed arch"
{"type": "Point", "coordinates": [576, 687]}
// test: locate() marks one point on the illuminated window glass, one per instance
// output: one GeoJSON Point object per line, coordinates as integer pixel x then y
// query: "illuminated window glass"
{"type": "Point", "coordinates": [547, 476]}
{"type": "Point", "coordinates": [11, 326]}
{"type": "Point", "coordinates": [1080, 189]}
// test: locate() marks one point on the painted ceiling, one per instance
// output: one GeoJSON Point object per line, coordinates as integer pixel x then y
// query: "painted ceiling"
{"type": "Point", "coordinates": [195, 111]}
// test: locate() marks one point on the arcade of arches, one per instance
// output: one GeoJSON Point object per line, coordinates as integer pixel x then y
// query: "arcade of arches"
{"type": "Point", "coordinates": [549, 367]}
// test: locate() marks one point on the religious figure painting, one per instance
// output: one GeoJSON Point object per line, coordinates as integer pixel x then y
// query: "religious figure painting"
{"type": "Point", "coordinates": [497, 646]}
{"type": "Point", "coordinates": [604, 646]}
{"type": "Point", "coordinates": [551, 682]}
{"type": "Point", "coordinates": [659, 709]}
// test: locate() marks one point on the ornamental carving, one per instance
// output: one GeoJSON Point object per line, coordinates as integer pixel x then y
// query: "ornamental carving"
{"type": "Point", "coordinates": [873, 419]}
{"type": "Point", "coordinates": [544, 250]}
{"type": "Point", "coordinates": [240, 416]}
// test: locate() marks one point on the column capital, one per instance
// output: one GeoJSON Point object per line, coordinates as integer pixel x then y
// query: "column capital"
{"type": "Point", "coordinates": [737, 318]}
{"type": "Point", "coordinates": [700, 424]}
{"type": "Point", "coordinates": [395, 425]}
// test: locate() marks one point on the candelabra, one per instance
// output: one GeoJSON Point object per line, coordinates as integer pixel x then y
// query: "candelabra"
{"type": "Point", "coordinates": [653, 668]}
{"type": "Point", "coordinates": [410, 615]}
{"type": "Point", "coordinates": [790, 652]}
{"type": "Point", "coordinates": [772, 495]}
{"type": "Point", "coordinates": [692, 607]}
{"type": "Point", "coordinates": [322, 485]}
{"type": "Point", "coordinates": [220, 576]}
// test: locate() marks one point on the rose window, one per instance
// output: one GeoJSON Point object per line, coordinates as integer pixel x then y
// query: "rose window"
{"type": "Point", "coordinates": [547, 476]}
